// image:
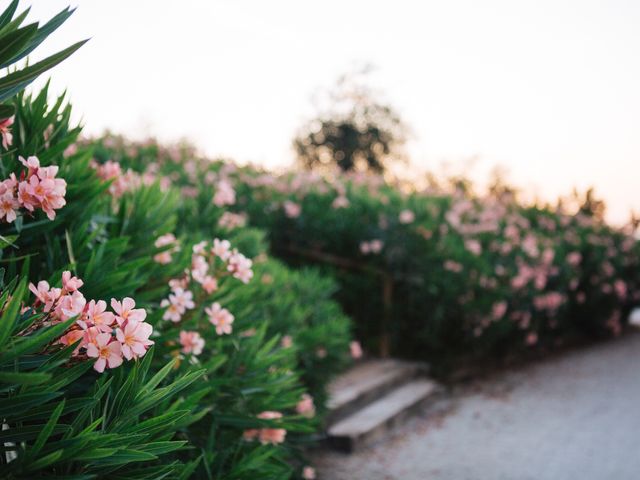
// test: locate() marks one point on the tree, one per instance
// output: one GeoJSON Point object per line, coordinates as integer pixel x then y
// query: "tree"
{"type": "Point", "coordinates": [354, 132]}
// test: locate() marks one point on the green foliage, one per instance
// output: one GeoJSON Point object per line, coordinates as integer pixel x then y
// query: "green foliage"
{"type": "Point", "coordinates": [167, 414]}
{"type": "Point", "coordinates": [17, 41]}
{"type": "Point", "coordinates": [59, 418]}
{"type": "Point", "coordinates": [457, 277]}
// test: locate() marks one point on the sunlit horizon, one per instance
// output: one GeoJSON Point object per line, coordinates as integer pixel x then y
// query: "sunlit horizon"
{"type": "Point", "coordinates": [547, 91]}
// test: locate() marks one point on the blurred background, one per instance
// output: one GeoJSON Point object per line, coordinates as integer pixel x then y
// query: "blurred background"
{"type": "Point", "coordinates": [546, 90]}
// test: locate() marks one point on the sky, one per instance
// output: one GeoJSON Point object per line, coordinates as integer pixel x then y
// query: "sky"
{"type": "Point", "coordinates": [548, 89]}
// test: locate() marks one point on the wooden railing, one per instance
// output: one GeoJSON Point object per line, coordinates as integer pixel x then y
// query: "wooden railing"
{"type": "Point", "coordinates": [349, 264]}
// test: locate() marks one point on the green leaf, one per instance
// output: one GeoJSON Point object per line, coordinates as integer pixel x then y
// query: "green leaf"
{"type": "Point", "coordinates": [46, 30]}
{"type": "Point", "coordinates": [22, 78]}
{"type": "Point", "coordinates": [10, 315]}
{"type": "Point", "coordinates": [46, 431]}
{"type": "Point", "coordinates": [33, 342]}
{"type": "Point", "coordinates": [159, 448]}
{"type": "Point", "coordinates": [125, 456]}
{"type": "Point", "coordinates": [11, 43]}
{"type": "Point", "coordinates": [24, 378]}
{"type": "Point", "coordinates": [6, 111]}
{"type": "Point", "coordinates": [8, 13]}
{"type": "Point", "coordinates": [45, 461]}
{"type": "Point", "coordinates": [158, 377]}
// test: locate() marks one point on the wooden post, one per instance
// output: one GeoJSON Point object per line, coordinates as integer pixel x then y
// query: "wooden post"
{"type": "Point", "coordinates": [385, 322]}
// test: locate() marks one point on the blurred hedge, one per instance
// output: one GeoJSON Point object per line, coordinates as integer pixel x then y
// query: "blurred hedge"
{"type": "Point", "coordinates": [437, 273]}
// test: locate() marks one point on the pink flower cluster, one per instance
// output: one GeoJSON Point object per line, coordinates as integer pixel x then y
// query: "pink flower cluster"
{"type": "Point", "coordinates": [291, 209]}
{"type": "Point", "coordinates": [106, 336]}
{"type": "Point", "coordinates": [305, 406]}
{"type": "Point", "coordinates": [209, 263]}
{"type": "Point", "coordinates": [273, 436]}
{"type": "Point", "coordinates": [165, 257]}
{"type": "Point", "coordinates": [308, 473]}
{"type": "Point", "coordinates": [371, 247]}
{"type": "Point", "coordinates": [550, 301]}
{"type": "Point", "coordinates": [191, 342]}
{"type": "Point", "coordinates": [220, 318]}
{"type": "Point", "coordinates": [355, 349]}
{"type": "Point", "coordinates": [121, 181]}
{"type": "Point", "coordinates": [230, 220]}
{"type": "Point", "coordinates": [5, 133]}
{"type": "Point", "coordinates": [38, 187]}
{"type": "Point", "coordinates": [225, 194]}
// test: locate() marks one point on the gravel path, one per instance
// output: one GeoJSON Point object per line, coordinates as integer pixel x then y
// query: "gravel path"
{"type": "Point", "coordinates": [573, 417]}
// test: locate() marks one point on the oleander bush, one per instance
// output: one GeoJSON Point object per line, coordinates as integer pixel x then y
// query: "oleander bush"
{"type": "Point", "coordinates": [439, 272]}
{"type": "Point", "coordinates": [138, 337]}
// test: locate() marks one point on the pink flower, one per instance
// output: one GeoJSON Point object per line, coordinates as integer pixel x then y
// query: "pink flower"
{"type": "Point", "coordinates": [250, 434]}
{"type": "Point", "coordinates": [406, 217]}
{"type": "Point", "coordinates": [498, 310]}
{"type": "Point", "coordinates": [621, 289]}
{"type": "Point", "coordinates": [199, 268]}
{"type": "Point", "coordinates": [308, 473]}
{"type": "Point", "coordinates": [121, 182]}
{"type": "Point", "coordinates": [70, 305]}
{"type": "Point", "coordinates": [8, 206]}
{"type": "Point", "coordinates": [273, 436]}
{"type": "Point", "coordinates": [70, 284]}
{"type": "Point", "coordinates": [96, 315]}
{"type": "Point", "coordinates": [177, 304]}
{"type": "Point", "coordinates": [473, 246]}
{"type": "Point", "coordinates": [225, 194]}
{"type": "Point", "coordinates": [531, 339]}
{"type": "Point", "coordinates": [176, 283]}
{"type": "Point", "coordinates": [550, 301]}
{"type": "Point", "coordinates": [291, 209]}
{"type": "Point", "coordinates": [172, 312]}
{"type": "Point", "coordinates": [372, 246]}
{"type": "Point", "coordinates": [45, 295]}
{"type": "Point", "coordinates": [191, 342]}
{"type": "Point", "coordinates": [210, 284]}
{"type": "Point", "coordinates": [221, 249]}
{"type": "Point", "coordinates": [32, 163]}
{"type": "Point", "coordinates": [574, 259]}
{"type": "Point", "coordinates": [125, 311]}
{"type": "Point", "coordinates": [220, 317]}
{"type": "Point", "coordinates": [355, 350]}
{"type": "Point", "coordinates": [5, 133]}
{"type": "Point", "coordinates": [340, 202]}
{"type": "Point", "coordinates": [164, 257]}
{"type": "Point", "coordinates": [25, 198]}
{"type": "Point", "coordinates": [199, 248]}
{"type": "Point", "coordinates": [165, 240]}
{"type": "Point", "coordinates": [183, 299]}
{"type": "Point", "coordinates": [286, 341]}
{"type": "Point", "coordinates": [107, 352]}
{"type": "Point", "coordinates": [230, 220]}
{"type": "Point", "coordinates": [240, 267]}
{"type": "Point", "coordinates": [71, 337]}
{"type": "Point", "coordinates": [305, 406]}
{"type": "Point", "coordinates": [452, 266]}
{"type": "Point", "coordinates": [48, 191]}
{"type": "Point", "coordinates": [134, 338]}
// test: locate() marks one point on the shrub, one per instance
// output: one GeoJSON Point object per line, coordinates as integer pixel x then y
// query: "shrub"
{"type": "Point", "coordinates": [449, 276]}
{"type": "Point", "coordinates": [196, 397]}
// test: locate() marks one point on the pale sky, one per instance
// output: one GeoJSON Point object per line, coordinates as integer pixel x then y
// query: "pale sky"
{"type": "Point", "coordinates": [549, 89]}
